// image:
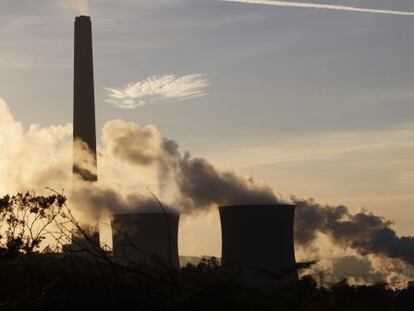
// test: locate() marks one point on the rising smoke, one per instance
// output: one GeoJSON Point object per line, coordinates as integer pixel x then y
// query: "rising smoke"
{"type": "Point", "coordinates": [200, 185]}
{"type": "Point", "coordinates": [364, 232]}
{"type": "Point", "coordinates": [33, 158]}
{"type": "Point", "coordinates": [81, 6]}
{"type": "Point", "coordinates": [130, 156]}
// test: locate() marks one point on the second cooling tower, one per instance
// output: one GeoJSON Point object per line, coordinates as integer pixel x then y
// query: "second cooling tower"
{"type": "Point", "coordinates": [146, 237]}
{"type": "Point", "coordinates": [257, 243]}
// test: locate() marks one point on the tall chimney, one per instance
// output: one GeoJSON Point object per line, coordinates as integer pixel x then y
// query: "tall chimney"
{"type": "Point", "coordinates": [84, 132]}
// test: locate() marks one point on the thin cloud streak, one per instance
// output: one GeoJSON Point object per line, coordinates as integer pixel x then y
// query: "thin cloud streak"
{"type": "Point", "coordinates": [158, 88]}
{"type": "Point", "coordinates": [321, 6]}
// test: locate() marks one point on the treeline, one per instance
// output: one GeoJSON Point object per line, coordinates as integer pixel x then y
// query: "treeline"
{"type": "Point", "coordinates": [89, 278]}
{"type": "Point", "coordinates": [53, 282]}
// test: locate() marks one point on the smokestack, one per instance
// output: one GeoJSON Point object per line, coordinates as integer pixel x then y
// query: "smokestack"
{"type": "Point", "coordinates": [84, 132]}
{"type": "Point", "coordinates": [257, 243]}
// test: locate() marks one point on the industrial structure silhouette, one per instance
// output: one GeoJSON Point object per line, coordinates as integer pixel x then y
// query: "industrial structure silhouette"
{"type": "Point", "coordinates": [257, 240]}
{"type": "Point", "coordinates": [84, 128]}
{"type": "Point", "coordinates": [140, 237]}
{"type": "Point", "coordinates": [257, 243]}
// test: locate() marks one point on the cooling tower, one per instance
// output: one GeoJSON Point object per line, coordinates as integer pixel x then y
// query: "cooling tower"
{"type": "Point", "coordinates": [84, 132]}
{"type": "Point", "coordinates": [84, 243]}
{"type": "Point", "coordinates": [146, 236]}
{"type": "Point", "coordinates": [257, 243]}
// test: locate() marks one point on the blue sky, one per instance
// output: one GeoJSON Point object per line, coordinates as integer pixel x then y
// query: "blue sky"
{"type": "Point", "coordinates": [314, 102]}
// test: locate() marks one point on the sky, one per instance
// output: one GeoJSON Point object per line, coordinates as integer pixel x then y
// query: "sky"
{"type": "Point", "coordinates": [316, 103]}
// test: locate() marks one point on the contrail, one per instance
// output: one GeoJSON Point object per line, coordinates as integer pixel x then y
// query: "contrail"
{"type": "Point", "coordinates": [322, 6]}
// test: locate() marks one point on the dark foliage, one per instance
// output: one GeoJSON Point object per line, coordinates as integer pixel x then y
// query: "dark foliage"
{"type": "Point", "coordinates": [54, 282]}
{"type": "Point", "coordinates": [25, 220]}
{"type": "Point", "coordinates": [30, 280]}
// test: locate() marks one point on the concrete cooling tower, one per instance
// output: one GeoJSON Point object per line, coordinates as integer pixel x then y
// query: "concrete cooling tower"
{"type": "Point", "coordinates": [257, 243]}
{"type": "Point", "coordinates": [142, 236]}
{"type": "Point", "coordinates": [84, 129]}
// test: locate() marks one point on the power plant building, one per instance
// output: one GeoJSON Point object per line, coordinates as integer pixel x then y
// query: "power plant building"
{"type": "Point", "coordinates": [145, 236]}
{"type": "Point", "coordinates": [257, 243]}
{"type": "Point", "coordinates": [257, 240]}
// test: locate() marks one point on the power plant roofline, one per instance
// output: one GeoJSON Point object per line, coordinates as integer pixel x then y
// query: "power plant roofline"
{"type": "Point", "coordinates": [84, 128]}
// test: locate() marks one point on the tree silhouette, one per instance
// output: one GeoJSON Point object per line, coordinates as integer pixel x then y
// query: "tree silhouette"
{"type": "Point", "coordinates": [25, 219]}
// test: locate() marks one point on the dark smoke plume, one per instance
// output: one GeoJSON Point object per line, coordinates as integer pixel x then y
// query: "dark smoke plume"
{"type": "Point", "coordinates": [200, 186]}
{"type": "Point", "coordinates": [199, 183]}
{"type": "Point", "coordinates": [365, 232]}
{"type": "Point", "coordinates": [98, 199]}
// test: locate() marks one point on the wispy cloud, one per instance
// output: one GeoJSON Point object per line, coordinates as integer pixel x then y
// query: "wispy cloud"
{"type": "Point", "coordinates": [158, 88]}
{"type": "Point", "coordinates": [322, 6]}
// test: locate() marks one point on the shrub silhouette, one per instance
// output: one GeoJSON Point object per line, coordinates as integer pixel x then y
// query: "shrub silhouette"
{"type": "Point", "coordinates": [25, 220]}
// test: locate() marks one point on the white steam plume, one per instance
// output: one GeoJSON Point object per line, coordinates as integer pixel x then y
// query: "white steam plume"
{"type": "Point", "coordinates": [80, 5]}
{"type": "Point", "coordinates": [322, 6]}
